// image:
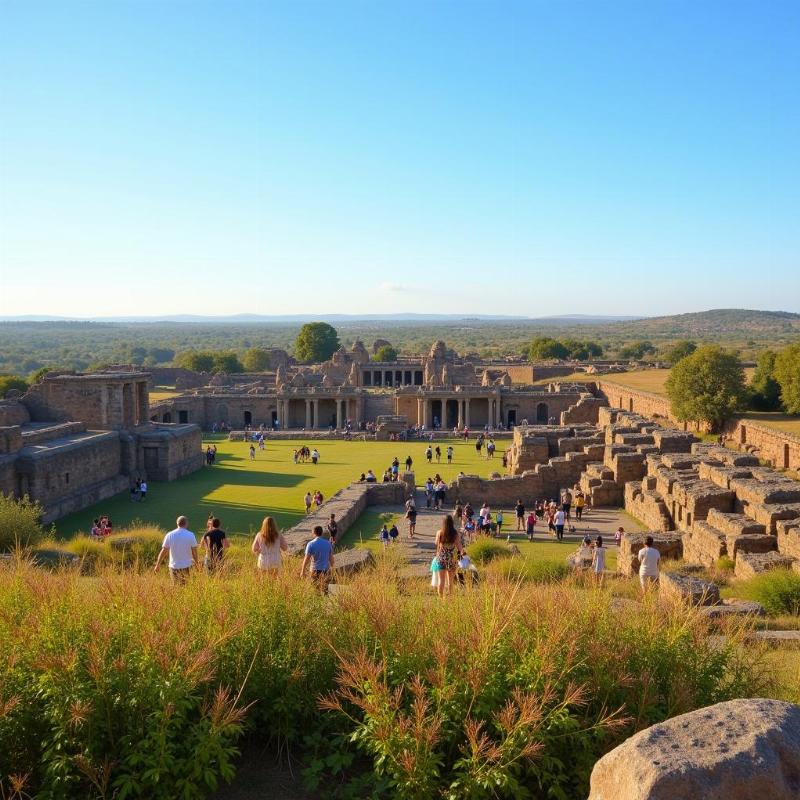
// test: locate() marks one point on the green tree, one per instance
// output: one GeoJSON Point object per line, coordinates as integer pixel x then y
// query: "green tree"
{"type": "Point", "coordinates": [20, 523]}
{"type": "Point", "coordinates": [196, 360]}
{"type": "Point", "coordinates": [787, 374]}
{"type": "Point", "coordinates": [385, 353]}
{"type": "Point", "coordinates": [545, 347]}
{"type": "Point", "coordinates": [227, 362]}
{"type": "Point", "coordinates": [317, 341]}
{"type": "Point", "coordinates": [257, 359]}
{"type": "Point", "coordinates": [681, 349]}
{"type": "Point", "coordinates": [707, 386]}
{"type": "Point", "coordinates": [581, 350]}
{"type": "Point", "coordinates": [637, 350]}
{"type": "Point", "coordinates": [765, 389]}
{"type": "Point", "coordinates": [9, 382]}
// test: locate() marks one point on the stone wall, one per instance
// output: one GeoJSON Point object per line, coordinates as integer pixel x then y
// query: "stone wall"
{"type": "Point", "coordinates": [653, 406]}
{"type": "Point", "coordinates": [781, 449]}
{"type": "Point", "coordinates": [12, 412]}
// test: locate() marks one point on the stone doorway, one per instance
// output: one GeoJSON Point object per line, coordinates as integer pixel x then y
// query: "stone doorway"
{"type": "Point", "coordinates": [541, 413]}
{"type": "Point", "coordinates": [436, 413]}
{"type": "Point", "coordinates": [512, 418]}
{"type": "Point", "coordinates": [451, 416]}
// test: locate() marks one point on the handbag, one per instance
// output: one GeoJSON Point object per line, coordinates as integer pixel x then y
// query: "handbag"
{"type": "Point", "coordinates": [435, 565]}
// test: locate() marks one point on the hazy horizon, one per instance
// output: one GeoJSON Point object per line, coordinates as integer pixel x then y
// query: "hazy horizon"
{"type": "Point", "coordinates": [530, 159]}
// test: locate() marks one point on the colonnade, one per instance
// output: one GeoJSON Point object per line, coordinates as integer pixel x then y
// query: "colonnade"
{"type": "Point", "coordinates": [425, 410]}
{"type": "Point", "coordinates": [312, 411]}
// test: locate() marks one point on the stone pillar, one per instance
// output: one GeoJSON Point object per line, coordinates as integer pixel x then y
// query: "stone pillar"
{"type": "Point", "coordinates": [460, 413]}
{"type": "Point", "coordinates": [315, 404]}
{"type": "Point", "coordinates": [128, 406]}
{"type": "Point", "coordinates": [498, 413]}
{"type": "Point", "coordinates": [425, 412]}
{"type": "Point", "coordinates": [308, 414]}
{"type": "Point", "coordinates": [466, 412]}
{"type": "Point", "coordinates": [419, 411]}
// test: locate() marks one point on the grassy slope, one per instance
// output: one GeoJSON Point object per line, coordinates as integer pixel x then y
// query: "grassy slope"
{"type": "Point", "coordinates": [242, 492]}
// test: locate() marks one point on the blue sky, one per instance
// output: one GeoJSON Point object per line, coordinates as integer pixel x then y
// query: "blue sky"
{"type": "Point", "coordinates": [352, 157]}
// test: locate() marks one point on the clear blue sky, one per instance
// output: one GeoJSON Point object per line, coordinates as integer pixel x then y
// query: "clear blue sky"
{"type": "Point", "coordinates": [534, 158]}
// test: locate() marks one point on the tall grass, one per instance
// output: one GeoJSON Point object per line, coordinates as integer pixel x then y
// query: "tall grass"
{"type": "Point", "coordinates": [122, 685]}
{"type": "Point", "coordinates": [777, 590]}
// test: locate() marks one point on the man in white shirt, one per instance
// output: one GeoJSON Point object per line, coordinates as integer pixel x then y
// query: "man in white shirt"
{"type": "Point", "coordinates": [558, 521]}
{"type": "Point", "coordinates": [648, 564]}
{"type": "Point", "coordinates": [181, 547]}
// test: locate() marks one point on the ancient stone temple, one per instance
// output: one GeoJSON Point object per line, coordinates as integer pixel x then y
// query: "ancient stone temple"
{"type": "Point", "coordinates": [73, 440]}
{"type": "Point", "coordinates": [438, 389]}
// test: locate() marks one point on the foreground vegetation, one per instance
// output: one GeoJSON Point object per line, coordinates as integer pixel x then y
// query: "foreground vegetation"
{"type": "Point", "coordinates": [122, 685]}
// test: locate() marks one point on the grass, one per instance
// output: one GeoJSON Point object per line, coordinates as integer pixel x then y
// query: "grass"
{"type": "Point", "coordinates": [785, 423]}
{"type": "Point", "coordinates": [241, 492]}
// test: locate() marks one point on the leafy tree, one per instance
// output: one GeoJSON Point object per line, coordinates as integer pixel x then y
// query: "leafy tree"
{"type": "Point", "coordinates": [196, 360]}
{"type": "Point", "coordinates": [317, 341]}
{"type": "Point", "coordinates": [385, 353]}
{"type": "Point", "coordinates": [162, 355]}
{"type": "Point", "coordinates": [787, 374]}
{"type": "Point", "coordinates": [637, 350]}
{"type": "Point", "coordinates": [544, 347]}
{"type": "Point", "coordinates": [257, 359]}
{"type": "Point", "coordinates": [20, 523]}
{"type": "Point", "coordinates": [707, 386]}
{"type": "Point", "coordinates": [766, 391]}
{"type": "Point", "coordinates": [227, 362]}
{"type": "Point", "coordinates": [581, 350]}
{"type": "Point", "coordinates": [9, 382]}
{"type": "Point", "coordinates": [681, 349]}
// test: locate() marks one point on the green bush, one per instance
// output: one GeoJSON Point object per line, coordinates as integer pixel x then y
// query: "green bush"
{"type": "Point", "coordinates": [777, 590]}
{"type": "Point", "coordinates": [485, 549]}
{"type": "Point", "coordinates": [20, 523]}
{"type": "Point", "coordinates": [725, 564]}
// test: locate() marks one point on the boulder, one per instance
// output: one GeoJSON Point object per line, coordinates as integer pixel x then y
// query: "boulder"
{"type": "Point", "coordinates": [737, 750]}
{"type": "Point", "coordinates": [696, 592]}
{"type": "Point", "coordinates": [734, 608]}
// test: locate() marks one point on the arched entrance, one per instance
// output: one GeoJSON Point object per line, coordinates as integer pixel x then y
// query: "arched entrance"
{"type": "Point", "coordinates": [248, 418]}
{"type": "Point", "coordinates": [541, 413]}
{"type": "Point", "coordinates": [167, 417]}
{"type": "Point", "coordinates": [512, 418]}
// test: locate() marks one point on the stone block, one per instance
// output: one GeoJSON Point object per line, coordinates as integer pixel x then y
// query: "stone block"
{"type": "Point", "coordinates": [734, 608]}
{"type": "Point", "coordinates": [762, 492]}
{"type": "Point", "coordinates": [734, 524]}
{"type": "Point", "coordinates": [668, 544]}
{"type": "Point", "coordinates": [770, 515]}
{"type": "Point", "coordinates": [694, 591]}
{"type": "Point", "coordinates": [788, 540]}
{"type": "Point", "coordinates": [748, 565]}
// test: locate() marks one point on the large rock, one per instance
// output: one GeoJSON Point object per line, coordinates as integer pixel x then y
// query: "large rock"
{"type": "Point", "coordinates": [738, 750]}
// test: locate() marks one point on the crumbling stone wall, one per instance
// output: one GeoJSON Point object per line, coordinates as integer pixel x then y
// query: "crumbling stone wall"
{"type": "Point", "coordinates": [780, 448]}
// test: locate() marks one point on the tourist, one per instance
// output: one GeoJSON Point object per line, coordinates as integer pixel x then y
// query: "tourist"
{"type": "Point", "coordinates": [97, 531]}
{"type": "Point", "coordinates": [393, 533]}
{"type": "Point", "coordinates": [530, 526]}
{"type": "Point", "coordinates": [482, 515]}
{"type": "Point", "coordinates": [428, 453]}
{"type": "Point", "coordinates": [490, 448]}
{"type": "Point", "coordinates": [428, 493]}
{"type": "Point", "coordinates": [580, 501]}
{"type": "Point", "coordinates": [318, 498]}
{"type": "Point", "coordinates": [558, 523]}
{"type": "Point", "coordinates": [519, 508]}
{"type": "Point", "coordinates": [333, 529]}
{"type": "Point", "coordinates": [252, 452]}
{"type": "Point", "coordinates": [618, 535]}
{"type": "Point", "coordinates": [215, 542]}
{"type": "Point", "coordinates": [469, 531]}
{"type": "Point", "coordinates": [499, 521]}
{"type": "Point", "coordinates": [107, 525]}
{"type": "Point", "coordinates": [134, 491]}
{"type": "Point", "coordinates": [649, 559]}
{"type": "Point", "coordinates": [469, 513]}
{"type": "Point", "coordinates": [599, 559]}
{"type": "Point", "coordinates": [566, 502]}
{"type": "Point", "coordinates": [314, 456]}
{"type": "Point", "coordinates": [142, 491]}
{"type": "Point", "coordinates": [384, 535]}
{"type": "Point", "coordinates": [295, 456]}
{"type": "Point", "coordinates": [448, 552]}
{"type": "Point", "coordinates": [319, 553]}
{"type": "Point", "coordinates": [409, 462]}
{"type": "Point", "coordinates": [181, 547]}
{"type": "Point", "coordinates": [449, 454]}
{"type": "Point", "coordinates": [441, 493]}
{"type": "Point", "coordinates": [268, 545]}
{"type": "Point", "coordinates": [308, 500]}
{"type": "Point", "coordinates": [438, 452]}
{"type": "Point", "coordinates": [479, 444]}
{"type": "Point", "coordinates": [411, 516]}
{"type": "Point", "coordinates": [370, 477]}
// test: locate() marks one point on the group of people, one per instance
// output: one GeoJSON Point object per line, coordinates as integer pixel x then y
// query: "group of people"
{"type": "Point", "coordinates": [490, 445]}
{"type": "Point", "coordinates": [139, 490]}
{"type": "Point", "coordinates": [102, 527]}
{"type": "Point", "coordinates": [304, 454]}
{"type": "Point", "coordinates": [316, 500]}
{"type": "Point", "coordinates": [431, 452]}
{"type": "Point", "coordinates": [435, 492]}
{"type": "Point", "coordinates": [557, 513]}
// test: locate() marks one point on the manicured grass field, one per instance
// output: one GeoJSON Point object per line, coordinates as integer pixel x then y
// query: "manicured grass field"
{"type": "Point", "coordinates": [241, 492]}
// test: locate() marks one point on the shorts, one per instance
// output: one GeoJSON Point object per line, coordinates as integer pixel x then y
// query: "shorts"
{"type": "Point", "coordinates": [180, 575]}
{"type": "Point", "coordinates": [565, 507]}
{"type": "Point", "coordinates": [560, 530]}
{"type": "Point", "coordinates": [648, 580]}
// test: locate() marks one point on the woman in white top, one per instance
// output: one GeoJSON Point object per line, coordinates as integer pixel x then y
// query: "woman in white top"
{"type": "Point", "coordinates": [268, 545]}
{"type": "Point", "coordinates": [599, 559]}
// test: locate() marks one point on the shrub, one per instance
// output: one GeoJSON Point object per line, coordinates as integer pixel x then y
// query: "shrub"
{"type": "Point", "coordinates": [20, 523]}
{"type": "Point", "coordinates": [485, 549]}
{"type": "Point", "coordinates": [725, 564]}
{"type": "Point", "coordinates": [777, 590]}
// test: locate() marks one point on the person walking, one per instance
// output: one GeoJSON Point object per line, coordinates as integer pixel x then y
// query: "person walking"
{"type": "Point", "coordinates": [649, 559]}
{"type": "Point", "coordinates": [333, 530]}
{"type": "Point", "coordinates": [409, 463]}
{"type": "Point", "coordinates": [449, 454]}
{"type": "Point", "coordinates": [319, 555]}
{"type": "Point", "coordinates": [181, 547]}
{"type": "Point", "coordinates": [142, 491]}
{"type": "Point", "coordinates": [384, 535]}
{"type": "Point", "coordinates": [599, 560]}
{"type": "Point", "coordinates": [520, 510]}
{"type": "Point", "coordinates": [580, 501]}
{"type": "Point", "coordinates": [411, 516]}
{"type": "Point", "coordinates": [448, 551]}
{"type": "Point", "coordinates": [252, 452]}
{"type": "Point", "coordinates": [558, 522]}
{"type": "Point", "coordinates": [308, 500]}
{"type": "Point", "coordinates": [214, 541]}
{"type": "Point", "coordinates": [268, 545]}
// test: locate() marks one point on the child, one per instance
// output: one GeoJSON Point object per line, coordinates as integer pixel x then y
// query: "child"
{"type": "Point", "coordinates": [384, 536]}
{"type": "Point", "coordinates": [393, 533]}
{"type": "Point", "coordinates": [618, 535]}
{"type": "Point", "coordinates": [530, 526]}
{"type": "Point", "coordinates": [499, 520]}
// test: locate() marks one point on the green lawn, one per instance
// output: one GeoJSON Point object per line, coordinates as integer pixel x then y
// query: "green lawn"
{"type": "Point", "coordinates": [241, 492]}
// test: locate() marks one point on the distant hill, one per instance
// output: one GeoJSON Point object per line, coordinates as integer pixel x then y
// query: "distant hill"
{"type": "Point", "coordinates": [716, 325]}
